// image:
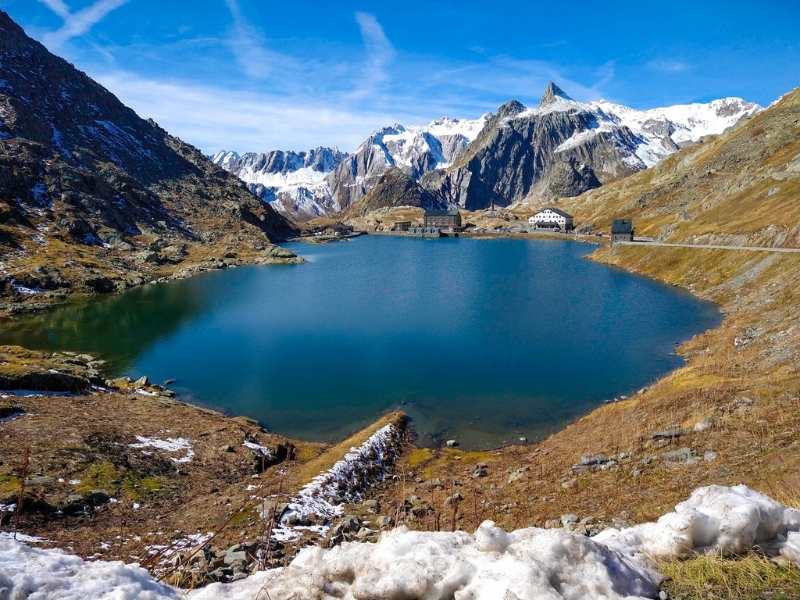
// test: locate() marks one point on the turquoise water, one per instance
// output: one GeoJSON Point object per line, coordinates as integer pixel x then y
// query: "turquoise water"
{"type": "Point", "coordinates": [479, 340]}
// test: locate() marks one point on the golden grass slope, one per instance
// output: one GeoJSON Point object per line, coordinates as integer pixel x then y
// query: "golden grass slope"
{"type": "Point", "coordinates": [742, 187]}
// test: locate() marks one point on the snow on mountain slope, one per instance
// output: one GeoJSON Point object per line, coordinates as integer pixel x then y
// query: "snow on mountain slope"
{"type": "Point", "coordinates": [659, 131]}
{"type": "Point", "coordinates": [292, 182]}
{"type": "Point", "coordinates": [309, 184]}
{"type": "Point", "coordinates": [305, 185]}
{"type": "Point", "coordinates": [679, 124]}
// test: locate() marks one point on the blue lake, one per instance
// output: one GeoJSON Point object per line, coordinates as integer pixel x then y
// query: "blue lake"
{"type": "Point", "coordinates": [479, 340]}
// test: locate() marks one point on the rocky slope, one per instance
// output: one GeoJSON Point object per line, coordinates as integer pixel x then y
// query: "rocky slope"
{"type": "Point", "coordinates": [93, 198]}
{"type": "Point", "coordinates": [740, 188]}
{"type": "Point", "coordinates": [294, 183]}
{"type": "Point", "coordinates": [563, 147]}
{"type": "Point", "coordinates": [393, 189]}
{"type": "Point", "coordinates": [304, 191]}
{"type": "Point", "coordinates": [559, 148]}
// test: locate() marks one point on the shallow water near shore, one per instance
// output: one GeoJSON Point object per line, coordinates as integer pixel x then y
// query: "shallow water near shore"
{"type": "Point", "coordinates": [483, 341]}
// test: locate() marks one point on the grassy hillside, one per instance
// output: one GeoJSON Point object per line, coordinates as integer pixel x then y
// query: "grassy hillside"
{"type": "Point", "coordinates": [742, 187]}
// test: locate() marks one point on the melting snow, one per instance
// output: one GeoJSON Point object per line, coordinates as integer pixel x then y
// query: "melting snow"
{"type": "Point", "coordinates": [258, 449]}
{"type": "Point", "coordinates": [344, 482]}
{"type": "Point", "coordinates": [168, 445]}
{"type": "Point", "coordinates": [527, 564]}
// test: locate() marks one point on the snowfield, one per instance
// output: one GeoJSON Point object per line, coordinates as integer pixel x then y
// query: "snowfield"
{"type": "Point", "coordinates": [527, 564]}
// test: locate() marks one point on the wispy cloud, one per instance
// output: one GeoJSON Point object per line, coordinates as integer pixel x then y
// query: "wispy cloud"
{"type": "Point", "coordinates": [79, 23]}
{"type": "Point", "coordinates": [215, 117]}
{"type": "Point", "coordinates": [667, 65]}
{"type": "Point", "coordinates": [57, 6]}
{"type": "Point", "coordinates": [248, 45]}
{"type": "Point", "coordinates": [380, 53]}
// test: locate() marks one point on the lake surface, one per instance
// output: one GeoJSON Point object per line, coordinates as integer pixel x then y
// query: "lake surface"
{"type": "Point", "coordinates": [479, 340]}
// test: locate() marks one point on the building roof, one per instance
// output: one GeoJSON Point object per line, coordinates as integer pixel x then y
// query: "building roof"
{"type": "Point", "coordinates": [450, 212]}
{"type": "Point", "coordinates": [558, 211]}
{"type": "Point", "coordinates": [622, 226]}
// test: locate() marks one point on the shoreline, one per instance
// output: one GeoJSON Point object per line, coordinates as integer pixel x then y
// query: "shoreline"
{"type": "Point", "coordinates": [529, 440]}
{"type": "Point", "coordinates": [588, 240]}
{"type": "Point", "coordinates": [625, 475]}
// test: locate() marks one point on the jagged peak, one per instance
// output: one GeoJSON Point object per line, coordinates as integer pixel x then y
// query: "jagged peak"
{"type": "Point", "coordinates": [552, 93]}
{"type": "Point", "coordinates": [510, 108]}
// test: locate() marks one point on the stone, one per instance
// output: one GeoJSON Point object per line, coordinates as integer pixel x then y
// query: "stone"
{"type": "Point", "coordinates": [588, 460]}
{"type": "Point", "coordinates": [451, 443]}
{"type": "Point", "coordinates": [384, 522]}
{"type": "Point", "coordinates": [235, 557]}
{"type": "Point", "coordinates": [143, 381]}
{"type": "Point", "coordinates": [97, 497]}
{"type": "Point", "coordinates": [569, 484]}
{"type": "Point", "coordinates": [480, 471]}
{"type": "Point", "coordinates": [668, 434]}
{"type": "Point", "coordinates": [684, 455]}
{"type": "Point", "coordinates": [569, 519]}
{"type": "Point", "coordinates": [37, 480]}
{"type": "Point", "coordinates": [454, 500]}
{"type": "Point", "coordinates": [517, 474]}
{"type": "Point", "coordinates": [703, 425]}
{"type": "Point", "coordinates": [372, 506]}
{"type": "Point", "coordinates": [709, 456]}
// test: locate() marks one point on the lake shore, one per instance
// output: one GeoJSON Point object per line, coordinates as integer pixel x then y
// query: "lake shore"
{"type": "Point", "coordinates": [727, 416]}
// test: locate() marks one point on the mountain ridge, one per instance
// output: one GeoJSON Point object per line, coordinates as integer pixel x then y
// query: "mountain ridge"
{"type": "Point", "coordinates": [560, 147]}
{"type": "Point", "coordinates": [94, 198]}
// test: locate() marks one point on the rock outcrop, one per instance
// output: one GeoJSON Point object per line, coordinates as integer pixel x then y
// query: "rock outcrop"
{"type": "Point", "coordinates": [87, 186]}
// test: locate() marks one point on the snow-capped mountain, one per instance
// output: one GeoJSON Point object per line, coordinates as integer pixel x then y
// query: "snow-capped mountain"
{"type": "Point", "coordinates": [305, 185]}
{"type": "Point", "coordinates": [561, 147]}
{"type": "Point", "coordinates": [293, 182]}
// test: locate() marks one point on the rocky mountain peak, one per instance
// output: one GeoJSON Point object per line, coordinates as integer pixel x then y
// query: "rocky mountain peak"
{"type": "Point", "coordinates": [510, 108]}
{"type": "Point", "coordinates": [552, 93]}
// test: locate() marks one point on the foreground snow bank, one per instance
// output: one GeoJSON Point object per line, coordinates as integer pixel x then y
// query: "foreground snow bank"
{"type": "Point", "coordinates": [36, 574]}
{"type": "Point", "coordinates": [725, 520]}
{"type": "Point", "coordinates": [489, 565]}
{"type": "Point", "coordinates": [527, 564]}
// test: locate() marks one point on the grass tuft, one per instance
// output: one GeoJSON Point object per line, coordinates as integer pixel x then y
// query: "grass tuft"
{"type": "Point", "coordinates": [750, 577]}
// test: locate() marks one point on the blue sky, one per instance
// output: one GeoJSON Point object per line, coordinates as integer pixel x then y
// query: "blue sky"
{"type": "Point", "coordinates": [258, 75]}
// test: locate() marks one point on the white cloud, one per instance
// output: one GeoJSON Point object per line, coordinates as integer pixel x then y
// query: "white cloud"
{"type": "Point", "coordinates": [215, 118]}
{"type": "Point", "coordinates": [79, 23]}
{"type": "Point", "coordinates": [380, 53]}
{"type": "Point", "coordinates": [248, 45]}
{"type": "Point", "coordinates": [57, 6]}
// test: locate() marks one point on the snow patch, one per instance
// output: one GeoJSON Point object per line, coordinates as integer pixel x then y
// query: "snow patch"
{"type": "Point", "coordinates": [258, 449]}
{"type": "Point", "coordinates": [347, 481]}
{"type": "Point", "coordinates": [168, 445]}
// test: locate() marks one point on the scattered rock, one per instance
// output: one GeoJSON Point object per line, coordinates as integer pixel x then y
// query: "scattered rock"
{"type": "Point", "coordinates": [451, 443]}
{"type": "Point", "coordinates": [668, 434]}
{"type": "Point", "coordinates": [142, 382]}
{"type": "Point", "coordinates": [683, 455]}
{"type": "Point", "coordinates": [517, 474]}
{"type": "Point", "coordinates": [703, 425]}
{"type": "Point", "coordinates": [569, 519]}
{"type": "Point", "coordinates": [480, 471]}
{"type": "Point", "coordinates": [709, 456]}
{"type": "Point", "coordinates": [97, 498]}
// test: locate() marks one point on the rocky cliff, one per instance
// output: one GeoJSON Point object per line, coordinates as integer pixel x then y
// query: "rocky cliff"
{"type": "Point", "coordinates": [304, 191]}
{"type": "Point", "coordinates": [92, 197]}
{"type": "Point", "coordinates": [564, 148]}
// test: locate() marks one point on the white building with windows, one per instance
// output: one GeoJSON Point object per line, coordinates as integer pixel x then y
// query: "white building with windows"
{"type": "Point", "coordinates": [551, 218]}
